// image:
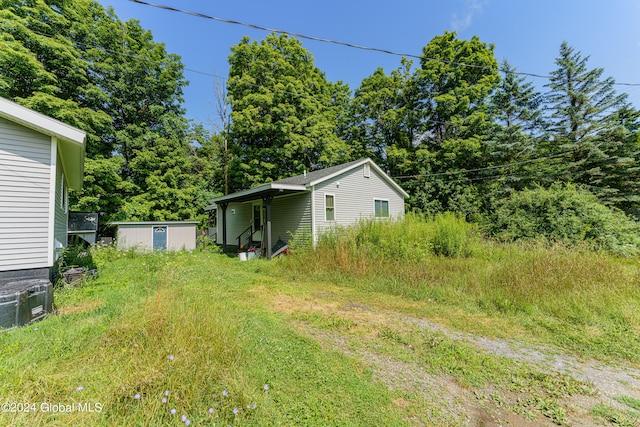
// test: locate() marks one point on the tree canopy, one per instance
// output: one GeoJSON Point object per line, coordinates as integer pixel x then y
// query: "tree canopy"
{"type": "Point", "coordinates": [282, 120]}
{"type": "Point", "coordinates": [77, 62]}
{"type": "Point", "coordinates": [457, 130]}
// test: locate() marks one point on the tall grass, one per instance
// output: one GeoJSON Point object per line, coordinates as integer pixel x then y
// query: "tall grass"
{"type": "Point", "coordinates": [159, 336]}
{"type": "Point", "coordinates": [585, 300]}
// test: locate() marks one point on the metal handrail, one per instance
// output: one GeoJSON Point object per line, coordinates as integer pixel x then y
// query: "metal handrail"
{"type": "Point", "coordinates": [255, 231]}
{"type": "Point", "coordinates": [249, 228]}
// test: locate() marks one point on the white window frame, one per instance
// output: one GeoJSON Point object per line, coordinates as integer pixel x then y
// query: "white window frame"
{"type": "Point", "coordinates": [333, 196]}
{"type": "Point", "coordinates": [379, 199]}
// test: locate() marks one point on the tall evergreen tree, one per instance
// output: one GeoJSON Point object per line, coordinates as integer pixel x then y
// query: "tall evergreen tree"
{"type": "Point", "coordinates": [583, 110]}
{"type": "Point", "coordinates": [621, 173]}
{"type": "Point", "coordinates": [516, 109]}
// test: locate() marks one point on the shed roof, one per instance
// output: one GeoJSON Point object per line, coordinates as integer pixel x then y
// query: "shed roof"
{"type": "Point", "coordinates": [70, 139]}
{"type": "Point", "coordinates": [301, 183]}
{"type": "Point", "coordinates": [154, 222]}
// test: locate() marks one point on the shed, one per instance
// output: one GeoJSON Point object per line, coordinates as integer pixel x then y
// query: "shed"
{"type": "Point", "coordinates": [40, 159]}
{"type": "Point", "coordinates": [156, 235]}
{"type": "Point", "coordinates": [269, 214]}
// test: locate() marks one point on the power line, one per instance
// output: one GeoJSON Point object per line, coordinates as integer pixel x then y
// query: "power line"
{"type": "Point", "coordinates": [464, 171]}
{"type": "Point", "coordinates": [83, 47]}
{"type": "Point", "coordinates": [346, 44]}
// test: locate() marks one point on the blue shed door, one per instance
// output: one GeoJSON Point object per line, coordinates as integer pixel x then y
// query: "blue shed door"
{"type": "Point", "coordinates": [159, 237]}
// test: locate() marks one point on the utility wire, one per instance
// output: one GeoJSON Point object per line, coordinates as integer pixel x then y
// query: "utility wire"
{"type": "Point", "coordinates": [350, 45]}
{"type": "Point", "coordinates": [84, 47]}
{"type": "Point", "coordinates": [464, 171]}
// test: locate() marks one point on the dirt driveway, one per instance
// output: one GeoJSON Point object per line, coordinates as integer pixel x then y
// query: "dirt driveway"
{"type": "Point", "coordinates": [459, 404]}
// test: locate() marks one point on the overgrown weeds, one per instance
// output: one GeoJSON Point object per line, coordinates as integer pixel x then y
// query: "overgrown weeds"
{"type": "Point", "coordinates": [570, 296]}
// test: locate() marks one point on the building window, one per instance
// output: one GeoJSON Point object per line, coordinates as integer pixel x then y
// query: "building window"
{"type": "Point", "coordinates": [381, 208]}
{"type": "Point", "coordinates": [367, 170]}
{"type": "Point", "coordinates": [329, 208]}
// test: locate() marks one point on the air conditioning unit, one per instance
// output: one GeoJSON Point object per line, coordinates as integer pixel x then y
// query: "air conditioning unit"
{"type": "Point", "coordinates": [24, 301]}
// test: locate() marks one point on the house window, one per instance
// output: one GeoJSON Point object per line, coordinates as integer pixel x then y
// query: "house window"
{"type": "Point", "coordinates": [329, 208]}
{"type": "Point", "coordinates": [367, 170]}
{"type": "Point", "coordinates": [381, 208]}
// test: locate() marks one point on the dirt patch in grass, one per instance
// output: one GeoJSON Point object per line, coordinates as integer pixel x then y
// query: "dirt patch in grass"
{"type": "Point", "coordinates": [80, 308]}
{"type": "Point", "coordinates": [458, 404]}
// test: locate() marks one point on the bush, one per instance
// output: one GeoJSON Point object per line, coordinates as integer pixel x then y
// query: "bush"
{"type": "Point", "coordinates": [452, 236]}
{"type": "Point", "coordinates": [565, 214]}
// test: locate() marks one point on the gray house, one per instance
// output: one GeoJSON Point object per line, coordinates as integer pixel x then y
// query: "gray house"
{"type": "Point", "coordinates": [308, 203]}
{"type": "Point", "coordinates": [40, 159]}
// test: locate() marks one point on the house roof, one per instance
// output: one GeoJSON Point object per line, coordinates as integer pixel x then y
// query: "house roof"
{"type": "Point", "coordinates": [70, 139]}
{"type": "Point", "coordinates": [301, 183]}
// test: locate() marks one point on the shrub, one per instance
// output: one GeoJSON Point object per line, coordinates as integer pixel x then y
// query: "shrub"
{"type": "Point", "coordinates": [566, 214]}
{"type": "Point", "coordinates": [452, 235]}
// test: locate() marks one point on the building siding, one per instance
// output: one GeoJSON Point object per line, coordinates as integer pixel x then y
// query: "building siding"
{"type": "Point", "coordinates": [61, 209]}
{"type": "Point", "coordinates": [290, 215]}
{"type": "Point", "coordinates": [25, 167]}
{"type": "Point", "coordinates": [140, 236]}
{"type": "Point", "coordinates": [354, 196]}
{"type": "Point", "coordinates": [238, 219]}
{"type": "Point", "coordinates": [182, 237]}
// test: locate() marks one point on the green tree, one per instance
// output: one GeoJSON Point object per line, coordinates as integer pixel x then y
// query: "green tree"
{"type": "Point", "coordinates": [567, 214]}
{"type": "Point", "coordinates": [620, 185]}
{"type": "Point", "coordinates": [42, 68]}
{"type": "Point", "coordinates": [283, 120]}
{"type": "Point", "coordinates": [455, 80]}
{"type": "Point", "coordinates": [584, 111]}
{"type": "Point", "coordinates": [385, 118]}
{"type": "Point", "coordinates": [76, 61]}
{"type": "Point", "coordinates": [515, 107]}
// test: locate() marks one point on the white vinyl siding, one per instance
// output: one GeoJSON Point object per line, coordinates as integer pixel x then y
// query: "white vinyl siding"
{"type": "Point", "coordinates": [239, 217]}
{"type": "Point", "coordinates": [353, 195]}
{"type": "Point", "coordinates": [25, 172]}
{"type": "Point", "coordinates": [289, 214]}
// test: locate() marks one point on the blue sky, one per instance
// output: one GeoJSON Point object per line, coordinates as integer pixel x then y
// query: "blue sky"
{"type": "Point", "coordinates": [526, 33]}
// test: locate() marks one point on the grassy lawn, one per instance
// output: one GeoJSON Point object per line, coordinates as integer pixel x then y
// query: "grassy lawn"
{"type": "Point", "coordinates": [190, 325]}
{"type": "Point", "coordinates": [298, 342]}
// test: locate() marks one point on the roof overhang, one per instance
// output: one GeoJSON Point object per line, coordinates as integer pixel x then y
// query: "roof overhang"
{"type": "Point", "coordinates": [270, 189]}
{"type": "Point", "coordinates": [70, 139]}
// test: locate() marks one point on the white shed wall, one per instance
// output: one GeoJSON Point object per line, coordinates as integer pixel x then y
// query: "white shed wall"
{"type": "Point", "coordinates": [181, 237]}
{"type": "Point", "coordinates": [140, 236]}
